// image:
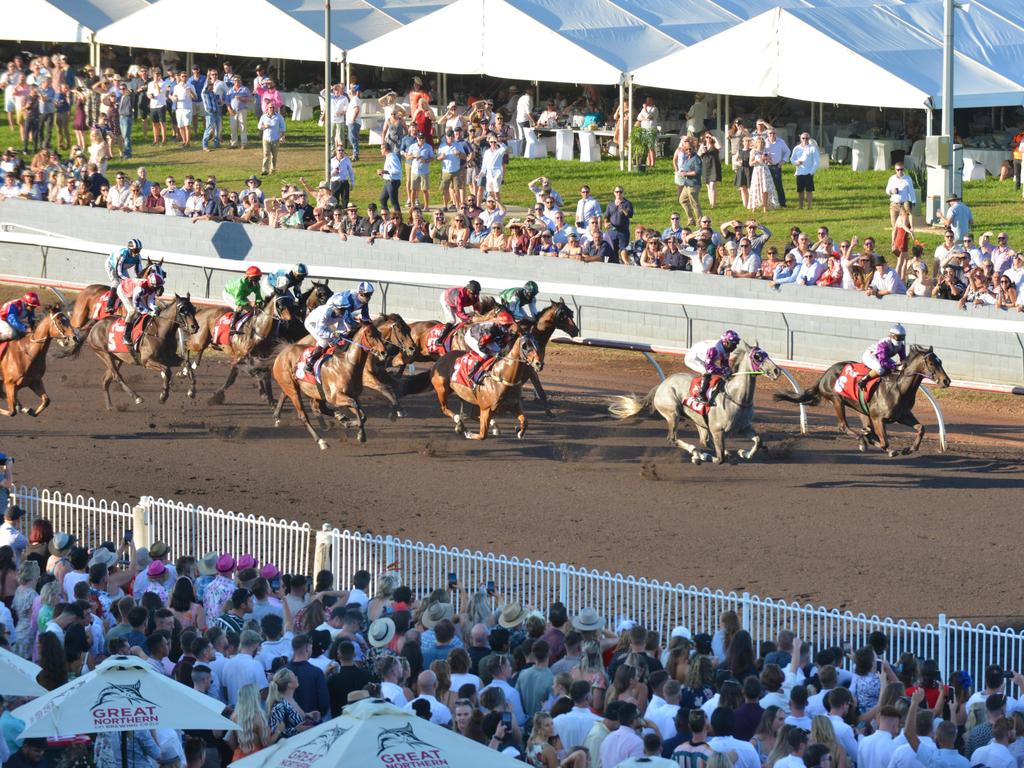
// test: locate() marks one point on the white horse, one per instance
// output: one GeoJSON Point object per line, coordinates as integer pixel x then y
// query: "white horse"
{"type": "Point", "coordinates": [732, 412]}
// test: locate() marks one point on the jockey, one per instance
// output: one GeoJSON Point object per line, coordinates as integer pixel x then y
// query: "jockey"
{"type": "Point", "coordinates": [337, 319]}
{"type": "Point", "coordinates": [521, 302]}
{"type": "Point", "coordinates": [454, 302]}
{"type": "Point", "coordinates": [17, 316]}
{"type": "Point", "coordinates": [486, 339]}
{"type": "Point", "coordinates": [119, 265]}
{"type": "Point", "coordinates": [712, 357]}
{"type": "Point", "coordinates": [139, 298]}
{"type": "Point", "coordinates": [880, 357]}
{"type": "Point", "coordinates": [243, 293]}
{"type": "Point", "coordinates": [285, 280]}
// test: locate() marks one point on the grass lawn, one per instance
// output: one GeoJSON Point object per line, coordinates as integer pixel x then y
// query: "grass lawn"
{"type": "Point", "coordinates": [848, 203]}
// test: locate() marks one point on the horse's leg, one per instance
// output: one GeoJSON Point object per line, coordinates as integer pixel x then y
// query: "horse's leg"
{"type": "Point", "coordinates": [387, 393]}
{"type": "Point", "coordinates": [11, 391]}
{"type": "Point", "coordinates": [909, 420]}
{"type": "Point", "coordinates": [165, 376]}
{"type": "Point", "coordinates": [191, 375]}
{"type": "Point", "coordinates": [485, 419]}
{"type": "Point", "coordinates": [265, 387]}
{"type": "Point", "coordinates": [277, 410]}
{"type": "Point", "coordinates": [878, 426]}
{"type": "Point", "coordinates": [218, 397]}
{"type": "Point", "coordinates": [295, 395]}
{"type": "Point", "coordinates": [108, 377]}
{"type": "Point", "coordinates": [718, 441]}
{"type": "Point", "coordinates": [837, 403]}
{"type": "Point", "coordinates": [44, 399]}
{"type": "Point", "coordinates": [441, 390]}
{"type": "Point", "coordinates": [115, 366]}
{"type": "Point", "coordinates": [751, 434]}
{"type": "Point", "coordinates": [541, 394]}
{"type": "Point", "coordinates": [517, 410]}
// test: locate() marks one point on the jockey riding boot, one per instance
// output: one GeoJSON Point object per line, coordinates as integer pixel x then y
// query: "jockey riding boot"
{"type": "Point", "coordinates": [705, 380]}
{"type": "Point", "coordinates": [863, 383]}
{"type": "Point", "coordinates": [111, 301]}
{"type": "Point", "coordinates": [318, 352]}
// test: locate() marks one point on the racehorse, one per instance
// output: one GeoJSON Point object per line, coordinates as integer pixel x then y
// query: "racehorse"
{"type": "Point", "coordinates": [23, 361]}
{"type": "Point", "coordinates": [731, 412]}
{"type": "Point", "coordinates": [892, 402]}
{"type": "Point", "coordinates": [157, 350]}
{"type": "Point", "coordinates": [341, 379]}
{"type": "Point", "coordinates": [254, 341]}
{"type": "Point", "coordinates": [86, 309]}
{"type": "Point", "coordinates": [501, 386]}
{"type": "Point", "coordinates": [316, 295]}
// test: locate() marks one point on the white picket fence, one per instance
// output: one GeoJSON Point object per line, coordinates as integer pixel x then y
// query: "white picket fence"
{"type": "Point", "coordinates": [195, 530]}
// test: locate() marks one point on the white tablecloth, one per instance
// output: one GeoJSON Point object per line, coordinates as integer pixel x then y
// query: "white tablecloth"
{"type": "Point", "coordinates": [301, 104]}
{"type": "Point", "coordinates": [862, 154]}
{"type": "Point", "coordinates": [992, 159]}
{"type": "Point", "coordinates": [882, 148]}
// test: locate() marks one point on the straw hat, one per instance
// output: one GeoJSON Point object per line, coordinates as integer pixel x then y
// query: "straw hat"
{"type": "Point", "coordinates": [512, 615]}
{"type": "Point", "coordinates": [208, 565]}
{"type": "Point", "coordinates": [436, 613]}
{"type": "Point", "coordinates": [588, 620]}
{"type": "Point", "coordinates": [102, 556]}
{"type": "Point", "coordinates": [61, 544]}
{"type": "Point", "coordinates": [381, 632]}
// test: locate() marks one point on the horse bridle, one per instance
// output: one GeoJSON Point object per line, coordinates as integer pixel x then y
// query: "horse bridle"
{"type": "Point", "coordinates": [755, 370]}
{"type": "Point", "coordinates": [63, 335]}
{"type": "Point", "coordinates": [523, 357]}
{"type": "Point", "coordinates": [275, 315]}
{"type": "Point", "coordinates": [389, 342]}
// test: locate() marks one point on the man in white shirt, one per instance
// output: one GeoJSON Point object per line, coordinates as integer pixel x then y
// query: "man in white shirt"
{"type": "Point", "coordinates": [118, 195]}
{"type": "Point", "coordinates": [524, 111]}
{"type": "Point", "coordinates": [353, 113]}
{"type": "Point", "coordinates": [427, 685]}
{"type": "Point", "coordinates": [746, 263]}
{"type": "Point", "coordinates": [798, 716]}
{"type": "Point", "coordinates": [156, 91]}
{"type": "Point", "coordinates": [275, 644]}
{"type": "Point", "coordinates": [501, 670]}
{"type": "Point", "coordinates": [885, 280]}
{"type": "Point", "coordinates": [390, 670]}
{"type": "Point", "coordinates": [243, 668]}
{"type": "Point", "coordinates": [624, 742]}
{"type": "Point", "coordinates": [573, 726]}
{"type": "Point", "coordinates": [810, 270]}
{"type": "Point", "coordinates": [839, 703]}
{"type": "Point", "coordinates": [338, 110]}
{"type": "Point", "coordinates": [875, 751]}
{"type": "Point", "coordinates": [919, 749]}
{"type": "Point", "coordinates": [664, 716]}
{"type": "Point", "coordinates": [777, 152]}
{"type": "Point", "coordinates": [723, 723]}
{"type": "Point", "coordinates": [183, 97]}
{"type": "Point", "coordinates": [587, 208]}
{"type": "Point", "coordinates": [900, 190]}
{"type": "Point", "coordinates": [805, 159]}
{"type": "Point", "coordinates": [652, 758]}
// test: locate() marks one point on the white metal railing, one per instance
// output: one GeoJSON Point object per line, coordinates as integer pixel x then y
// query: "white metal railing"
{"type": "Point", "coordinates": [194, 530]}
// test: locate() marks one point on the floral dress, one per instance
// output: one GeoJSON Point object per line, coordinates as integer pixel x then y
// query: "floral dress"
{"type": "Point", "coordinates": [762, 188]}
{"type": "Point", "coordinates": [24, 630]}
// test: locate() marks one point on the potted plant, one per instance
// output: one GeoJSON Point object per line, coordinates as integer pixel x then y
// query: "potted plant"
{"type": "Point", "coordinates": [642, 142]}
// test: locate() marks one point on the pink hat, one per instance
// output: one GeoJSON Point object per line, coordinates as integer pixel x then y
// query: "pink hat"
{"type": "Point", "coordinates": [225, 564]}
{"type": "Point", "coordinates": [269, 571]}
{"type": "Point", "coordinates": [246, 561]}
{"type": "Point", "coordinates": [156, 568]}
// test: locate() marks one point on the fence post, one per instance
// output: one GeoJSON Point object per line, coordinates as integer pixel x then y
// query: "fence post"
{"type": "Point", "coordinates": [389, 550]}
{"type": "Point", "coordinates": [141, 522]}
{"type": "Point", "coordinates": [322, 551]}
{"type": "Point", "coordinates": [745, 614]}
{"type": "Point", "coordinates": [943, 627]}
{"type": "Point", "coordinates": [563, 583]}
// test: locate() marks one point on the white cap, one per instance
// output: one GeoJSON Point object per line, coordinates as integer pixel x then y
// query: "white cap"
{"type": "Point", "coordinates": [682, 632]}
{"type": "Point", "coordinates": [624, 625]}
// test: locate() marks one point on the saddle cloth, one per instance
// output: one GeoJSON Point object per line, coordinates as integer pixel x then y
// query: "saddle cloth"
{"type": "Point", "coordinates": [300, 370]}
{"type": "Point", "coordinates": [846, 382]}
{"type": "Point", "coordinates": [115, 336]}
{"type": "Point", "coordinates": [464, 367]}
{"type": "Point", "coordinates": [435, 344]}
{"type": "Point", "coordinates": [99, 308]}
{"type": "Point", "coordinates": [693, 401]}
{"type": "Point", "coordinates": [222, 330]}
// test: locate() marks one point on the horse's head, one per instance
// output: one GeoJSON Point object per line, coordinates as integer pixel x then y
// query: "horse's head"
{"type": "Point", "coordinates": [185, 314]}
{"type": "Point", "coordinates": [60, 325]}
{"type": "Point", "coordinates": [282, 306]}
{"type": "Point", "coordinates": [565, 318]}
{"type": "Point", "coordinates": [398, 334]}
{"type": "Point", "coordinates": [760, 362]}
{"type": "Point", "coordinates": [529, 352]}
{"type": "Point", "coordinates": [318, 295]}
{"type": "Point", "coordinates": [930, 365]}
{"type": "Point", "coordinates": [370, 339]}
{"type": "Point", "coordinates": [154, 268]}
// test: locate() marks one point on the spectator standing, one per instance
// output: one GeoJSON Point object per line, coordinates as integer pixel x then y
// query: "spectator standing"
{"type": "Point", "coordinates": [624, 742]}
{"type": "Point", "coordinates": [534, 683]}
{"type": "Point", "coordinates": [243, 668]}
{"type": "Point", "coordinates": [338, 106]}
{"type": "Point", "coordinates": [214, 92]}
{"type": "Point", "coordinates": [492, 166]}
{"type": "Point", "coordinates": [239, 102]}
{"type": "Point", "coordinates": [272, 128]}
{"type": "Point", "coordinates": [900, 190]}
{"type": "Point", "coordinates": [353, 115]}
{"type": "Point", "coordinates": [391, 175]}
{"type": "Point", "coordinates": [805, 159]}
{"type": "Point", "coordinates": [184, 97]}
{"type": "Point", "coordinates": [777, 152]}
{"type": "Point", "coordinates": [710, 154]}
{"type": "Point", "coordinates": [687, 177]}
{"type": "Point", "coordinates": [419, 155]}
{"type": "Point", "coordinates": [957, 217]}
{"type": "Point", "coordinates": [157, 94]}
{"type": "Point", "coordinates": [452, 156]}
{"type": "Point", "coordinates": [524, 111]}
{"type": "Point", "coordinates": [618, 214]}
{"type": "Point", "coordinates": [343, 177]}
{"type": "Point", "coordinates": [10, 532]}
{"type": "Point", "coordinates": [311, 694]}
{"type": "Point", "coordinates": [47, 110]}
{"type": "Point", "coordinates": [763, 193]}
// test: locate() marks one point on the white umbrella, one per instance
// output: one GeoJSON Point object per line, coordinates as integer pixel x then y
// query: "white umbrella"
{"type": "Point", "coordinates": [18, 676]}
{"type": "Point", "coordinates": [123, 693]}
{"type": "Point", "coordinates": [372, 733]}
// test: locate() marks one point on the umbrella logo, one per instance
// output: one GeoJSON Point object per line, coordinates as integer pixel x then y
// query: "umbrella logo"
{"type": "Point", "coordinates": [316, 748]}
{"type": "Point", "coordinates": [130, 693]}
{"type": "Point", "coordinates": [123, 705]}
{"type": "Point", "coordinates": [389, 738]}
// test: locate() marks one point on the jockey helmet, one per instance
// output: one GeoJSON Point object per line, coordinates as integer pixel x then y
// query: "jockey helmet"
{"type": "Point", "coordinates": [253, 271]}
{"type": "Point", "coordinates": [300, 270]}
{"type": "Point", "coordinates": [135, 245]}
{"type": "Point", "coordinates": [154, 280]}
{"type": "Point", "coordinates": [531, 288]}
{"type": "Point", "coordinates": [473, 287]}
{"type": "Point", "coordinates": [281, 283]}
{"type": "Point", "coordinates": [504, 318]}
{"type": "Point", "coordinates": [31, 299]}
{"type": "Point", "coordinates": [337, 300]}
{"type": "Point", "coordinates": [898, 332]}
{"type": "Point", "coordinates": [730, 339]}
{"type": "Point", "coordinates": [365, 288]}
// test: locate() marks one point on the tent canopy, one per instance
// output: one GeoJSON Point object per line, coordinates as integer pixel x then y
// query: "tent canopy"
{"type": "Point", "coordinates": [842, 55]}
{"type": "Point", "coordinates": [493, 36]}
{"type": "Point", "coordinates": [64, 21]}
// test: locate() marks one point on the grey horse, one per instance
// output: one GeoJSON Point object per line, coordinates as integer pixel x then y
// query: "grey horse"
{"type": "Point", "coordinates": [732, 412]}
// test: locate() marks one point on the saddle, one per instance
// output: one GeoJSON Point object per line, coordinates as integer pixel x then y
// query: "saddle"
{"type": "Point", "coordinates": [314, 378]}
{"type": "Point", "coordinates": [239, 319]}
{"type": "Point", "coordinates": [221, 336]}
{"type": "Point", "coordinates": [464, 374]}
{"type": "Point", "coordinates": [436, 345]}
{"type": "Point", "coordinates": [118, 335]}
{"type": "Point", "coordinates": [846, 385]}
{"type": "Point", "coordinates": [693, 401]}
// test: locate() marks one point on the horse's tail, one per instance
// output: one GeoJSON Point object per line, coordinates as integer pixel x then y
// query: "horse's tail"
{"type": "Point", "coordinates": [809, 396]}
{"type": "Point", "coordinates": [625, 406]}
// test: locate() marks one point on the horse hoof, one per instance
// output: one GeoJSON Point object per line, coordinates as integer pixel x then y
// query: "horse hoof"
{"type": "Point", "coordinates": [277, 422]}
{"type": "Point", "coordinates": [696, 459]}
{"type": "Point", "coordinates": [361, 437]}
{"type": "Point", "coordinates": [192, 394]}
{"type": "Point", "coordinates": [138, 401]}
{"type": "Point", "coordinates": [893, 453]}
{"type": "Point", "coordinates": [495, 430]}
{"type": "Point", "coordinates": [323, 444]}
{"type": "Point", "coordinates": [195, 366]}
{"type": "Point", "coordinates": [400, 414]}
{"type": "Point", "coordinates": [861, 446]}
{"type": "Point", "coordinates": [549, 413]}
{"type": "Point", "coordinates": [743, 453]}
{"type": "Point", "coordinates": [393, 416]}
{"type": "Point", "coordinates": [217, 398]}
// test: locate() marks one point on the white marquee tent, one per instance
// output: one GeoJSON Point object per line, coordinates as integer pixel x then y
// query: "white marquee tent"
{"type": "Point", "coordinates": [843, 55]}
{"type": "Point", "coordinates": [64, 21]}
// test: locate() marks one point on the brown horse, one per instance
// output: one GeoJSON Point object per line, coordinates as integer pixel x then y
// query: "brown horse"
{"type": "Point", "coordinates": [157, 350]}
{"type": "Point", "coordinates": [23, 361]}
{"type": "Point", "coordinates": [316, 295]}
{"type": "Point", "coordinates": [341, 379]}
{"type": "Point", "coordinates": [85, 307]}
{"type": "Point", "coordinates": [892, 401]}
{"type": "Point", "coordinates": [500, 388]}
{"type": "Point", "coordinates": [254, 342]}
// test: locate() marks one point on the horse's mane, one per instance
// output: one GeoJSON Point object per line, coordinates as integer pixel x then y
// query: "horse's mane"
{"type": "Point", "coordinates": [916, 350]}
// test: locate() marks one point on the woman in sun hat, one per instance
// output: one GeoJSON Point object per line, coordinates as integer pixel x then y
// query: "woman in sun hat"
{"type": "Point", "coordinates": [380, 636]}
{"type": "Point", "coordinates": [207, 567]}
{"type": "Point", "coordinates": [219, 590]}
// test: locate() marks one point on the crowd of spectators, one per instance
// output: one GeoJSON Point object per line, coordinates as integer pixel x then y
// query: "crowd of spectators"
{"type": "Point", "coordinates": [472, 149]}
{"type": "Point", "coordinates": [283, 652]}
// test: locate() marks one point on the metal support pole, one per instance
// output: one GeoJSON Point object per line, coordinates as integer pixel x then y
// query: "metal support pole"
{"type": "Point", "coordinates": [728, 144]}
{"type": "Point", "coordinates": [821, 123]}
{"type": "Point", "coordinates": [718, 111]}
{"type": "Point", "coordinates": [629, 128]}
{"type": "Point", "coordinates": [327, 91]}
{"type": "Point", "coordinates": [618, 132]}
{"type": "Point", "coordinates": [812, 119]}
{"type": "Point", "coordinates": [947, 90]}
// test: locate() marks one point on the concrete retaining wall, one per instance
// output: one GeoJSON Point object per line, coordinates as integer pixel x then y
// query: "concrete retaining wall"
{"type": "Point", "coordinates": [968, 354]}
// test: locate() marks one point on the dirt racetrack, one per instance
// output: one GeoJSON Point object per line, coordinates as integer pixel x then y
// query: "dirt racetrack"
{"type": "Point", "coordinates": [811, 518]}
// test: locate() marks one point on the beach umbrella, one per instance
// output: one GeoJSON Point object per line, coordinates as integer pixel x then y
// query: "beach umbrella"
{"type": "Point", "coordinates": [18, 676]}
{"type": "Point", "coordinates": [374, 734]}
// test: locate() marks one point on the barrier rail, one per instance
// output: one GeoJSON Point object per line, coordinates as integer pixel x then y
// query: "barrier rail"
{"type": "Point", "coordinates": [193, 530]}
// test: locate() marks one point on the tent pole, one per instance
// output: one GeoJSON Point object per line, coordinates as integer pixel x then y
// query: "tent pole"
{"type": "Point", "coordinates": [718, 111]}
{"type": "Point", "coordinates": [928, 121]}
{"type": "Point", "coordinates": [821, 123]}
{"type": "Point", "coordinates": [189, 60]}
{"type": "Point", "coordinates": [618, 131]}
{"type": "Point", "coordinates": [812, 119]}
{"type": "Point", "coordinates": [348, 72]}
{"type": "Point", "coordinates": [629, 128]}
{"type": "Point", "coordinates": [728, 146]}
{"type": "Point", "coordinates": [327, 91]}
{"type": "Point", "coordinates": [947, 89]}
